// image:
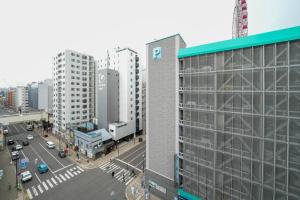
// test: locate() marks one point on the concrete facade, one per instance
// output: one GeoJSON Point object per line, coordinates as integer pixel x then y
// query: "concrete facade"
{"type": "Point", "coordinates": [45, 95]}
{"type": "Point", "coordinates": [73, 89]}
{"type": "Point", "coordinates": [107, 97]}
{"type": "Point", "coordinates": [161, 111]}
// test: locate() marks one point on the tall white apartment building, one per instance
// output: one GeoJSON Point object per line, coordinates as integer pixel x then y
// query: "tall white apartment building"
{"type": "Point", "coordinates": [126, 62]}
{"type": "Point", "coordinates": [45, 95]}
{"type": "Point", "coordinates": [73, 89]}
{"type": "Point", "coordinates": [21, 99]}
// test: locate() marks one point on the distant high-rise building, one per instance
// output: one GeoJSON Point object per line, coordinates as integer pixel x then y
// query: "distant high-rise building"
{"type": "Point", "coordinates": [45, 95]}
{"type": "Point", "coordinates": [144, 84]}
{"type": "Point", "coordinates": [126, 62]}
{"type": "Point", "coordinates": [21, 99]}
{"type": "Point", "coordinates": [33, 99]}
{"type": "Point", "coordinates": [107, 97]}
{"type": "Point", "coordinates": [73, 89]}
{"type": "Point", "coordinates": [10, 97]}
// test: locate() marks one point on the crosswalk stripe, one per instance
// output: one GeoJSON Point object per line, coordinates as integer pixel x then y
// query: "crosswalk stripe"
{"type": "Point", "coordinates": [63, 178]}
{"type": "Point", "coordinates": [60, 181]}
{"type": "Point", "coordinates": [75, 173]}
{"type": "Point", "coordinates": [71, 170]}
{"type": "Point", "coordinates": [119, 172]}
{"type": "Point", "coordinates": [45, 185]}
{"type": "Point", "coordinates": [112, 169]}
{"type": "Point", "coordinates": [34, 191]}
{"type": "Point", "coordinates": [66, 175]}
{"type": "Point", "coordinates": [54, 181]}
{"type": "Point", "coordinates": [74, 168]}
{"type": "Point", "coordinates": [70, 173]}
{"type": "Point", "coordinates": [129, 180]}
{"type": "Point", "coordinates": [40, 189]}
{"type": "Point", "coordinates": [104, 165]}
{"type": "Point", "coordinates": [29, 194]}
{"type": "Point", "coordinates": [49, 183]}
{"type": "Point", "coordinates": [80, 169]}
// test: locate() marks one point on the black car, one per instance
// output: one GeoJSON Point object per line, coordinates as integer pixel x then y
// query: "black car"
{"type": "Point", "coordinates": [25, 143]}
{"type": "Point", "coordinates": [61, 154]}
{"type": "Point", "coordinates": [10, 142]}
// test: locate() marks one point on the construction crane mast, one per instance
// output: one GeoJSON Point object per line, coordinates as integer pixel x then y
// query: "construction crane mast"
{"type": "Point", "coordinates": [240, 19]}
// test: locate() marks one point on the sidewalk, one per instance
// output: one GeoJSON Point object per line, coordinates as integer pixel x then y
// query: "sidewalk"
{"type": "Point", "coordinates": [88, 163]}
{"type": "Point", "coordinates": [134, 190]}
{"type": "Point", "coordinates": [8, 181]}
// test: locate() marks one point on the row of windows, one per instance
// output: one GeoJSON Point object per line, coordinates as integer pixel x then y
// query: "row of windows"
{"type": "Point", "coordinates": [78, 56]}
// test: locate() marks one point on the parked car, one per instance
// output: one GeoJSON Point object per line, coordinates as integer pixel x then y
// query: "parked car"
{"type": "Point", "coordinates": [42, 168]}
{"type": "Point", "coordinates": [10, 142]}
{"type": "Point", "coordinates": [15, 155]}
{"type": "Point", "coordinates": [17, 147]}
{"type": "Point", "coordinates": [25, 143]}
{"type": "Point", "coordinates": [26, 176]}
{"type": "Point", "coordinates": [29, 127]}
{"type": "Point", "coordinates": [50, 145]}
{"type": "Point", "coordinates": [61, 154]}
{"type": "Point", "coordinates": [29, 137]}
{"type": "Point", "coordinates": [45, 135]}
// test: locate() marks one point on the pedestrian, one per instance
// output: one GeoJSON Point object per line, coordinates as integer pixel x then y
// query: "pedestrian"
{"type": "Point", "coordinates": [35, 161]}
{"type": "Point", "coordinates": [112, 174]}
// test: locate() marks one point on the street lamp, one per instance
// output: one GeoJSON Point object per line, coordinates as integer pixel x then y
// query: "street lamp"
{"type": "Point", "coordinates": [118, 146]}
{"type": "Point", "coordinates": [143, 162]}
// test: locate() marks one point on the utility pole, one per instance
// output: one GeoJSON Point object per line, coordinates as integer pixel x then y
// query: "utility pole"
{"type": "Point", "coordinates": [143, 162]}
{"type": "Point", "coordinates": [118, 146]}
{"type": "Point", "coordinates": [17, 184]}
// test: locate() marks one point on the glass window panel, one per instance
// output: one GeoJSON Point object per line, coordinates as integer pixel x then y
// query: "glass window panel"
{"type": "Point", "coordinates": [269, 79]}
{"type": "Point", "coordinates": [295, 78]}
{"type": "Point", "coordinates": [294, 104]}
{"type": "Point", "coordinates": [269, 55]}
{"type": "Point", "coordinates": [269, 103]}
{"type": "Point", "coordinates": [281, 53]}
{"type": "Point", "coordinates": [257, 56]}
{"type": "Point", "coordinates": [295, 52]}
{"type": "Point", "coordinates": [281, 79]}
{"type": "Point", "coordinates": [281, 104]}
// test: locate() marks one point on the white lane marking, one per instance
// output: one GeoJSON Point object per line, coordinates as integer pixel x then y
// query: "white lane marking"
{"type": "Point", "coordinates": [29, 194]}
{"type": "Point", "coordinates": [40, 189]}
{"type": "Point", "coordinates": [63, 168]}
{"type": "Point", "coordinates": [59, 180]}
{"type": "Point", "coordinates": [112, 169]}
{"type": "Point", "coordinates": [45, 185]}
{"type": "Point", "coordinates": [51, 155]}
{"type": "Point", "coordinates": [129, 180]}
{"type": "Point", "coordinates": [54, 181]}
{"type": "Point", "coordinates": [70, 173]}
{"type": "Point", "coordinates": [142, 153]}
{"type": "Point", "coordinates": [125, 176]}
{"type": "Point", "coordinates": [75, 173]}
{"type": "Point", "coordinates": [80, 169]}
{"type": "Point", "coordinates": [63, 178]}
{"type": "Point", "coordinates": [129, 165]}
{"type": "Point", "coordinates": [74, 168]}
{"type": "Point", "coordinates": [34, 191]}
{"type": "Point", "coordinates": [24, 155]}
{"type": "Point", "coordinates": [132, 153]}
{"type": "Point", "coordinates": [23, 127]}
{"type": "Point", "coordinates": [37, 177]}
{"type": "Point", "coordinates": [66, 175]}
{"type": "Point", "coordinates": [17, 130]}
{"type": "Point", "coordinates": [119, 172]}
{"type": "Point", "coordinates": [49, 183]}
{"type": "Point", "coordinates": [40, 158]}
{"type": "Point", "coordinates": [104, 165]}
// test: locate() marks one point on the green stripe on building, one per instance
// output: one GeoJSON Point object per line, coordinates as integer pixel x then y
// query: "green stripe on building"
{"type": "Point", "coordinates": [182, 193]}
{"type": "Point", "coordinates": [282, 35]}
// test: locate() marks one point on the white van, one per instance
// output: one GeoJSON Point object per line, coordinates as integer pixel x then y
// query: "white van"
{"type": "Point", "coordinates": [50, 145]}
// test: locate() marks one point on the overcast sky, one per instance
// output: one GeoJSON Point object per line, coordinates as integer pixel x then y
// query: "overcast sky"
{"type": "Point", "coordinates": [32, 31]}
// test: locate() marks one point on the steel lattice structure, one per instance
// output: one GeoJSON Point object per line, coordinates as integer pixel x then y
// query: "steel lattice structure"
{"type": "Point", "coordinates": [240, 19]}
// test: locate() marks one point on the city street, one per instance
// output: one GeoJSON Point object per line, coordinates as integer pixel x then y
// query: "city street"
{"type": "Point", "coordinates": [76, 181]}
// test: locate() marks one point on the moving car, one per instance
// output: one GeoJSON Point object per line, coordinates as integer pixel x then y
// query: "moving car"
{"type": "Point", "coordinates": [29, 127]}
{"type": "Point", "coordinates": [25, 143]}
{"type": "Point", "coordinates": [15, 155]}
{"type": "Point", "coordinates": [50, 145]}
{"type": "Point", "coordinates": [42, 168]}
{"type": "Point", "coordinates": [10, 142]}
{"type": "Point", "coordinates": [26, 176]}
{"type": "Point", "coordinates": [29, 137]}
{"type": "Point", "coordinates": [17, 147]}
{"type": "Point", "coordinates": [61, 153]}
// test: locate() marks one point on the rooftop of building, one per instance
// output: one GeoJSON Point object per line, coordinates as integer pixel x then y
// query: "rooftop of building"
{"type": "Point", "coordinates": [277, 36]}
{"type": "Point", "coordinates": [98, 133]}
{"type": "Point", "coordinates": [155, 40]}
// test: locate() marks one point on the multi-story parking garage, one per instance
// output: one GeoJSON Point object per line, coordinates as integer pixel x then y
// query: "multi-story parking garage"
{"type": "Point", "coordinates": [234, 127]}
{"type": "Point", "coordinates": [239, 116]}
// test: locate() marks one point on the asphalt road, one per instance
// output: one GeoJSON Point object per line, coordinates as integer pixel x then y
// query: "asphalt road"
{"type": "Point", "coordinates": [135, 155]}
{"type": "Point", "coordinates": [64, 180]}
